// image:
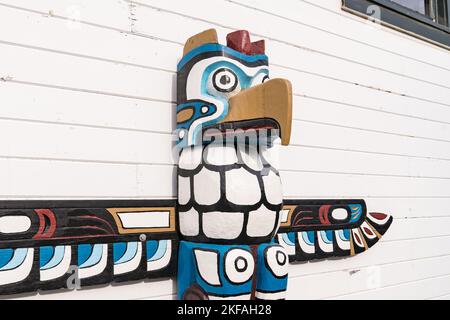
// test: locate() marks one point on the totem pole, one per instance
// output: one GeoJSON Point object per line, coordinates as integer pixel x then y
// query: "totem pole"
{"type": "Point", "coordinates": [230, 232]}
{"type": "Point", "coordinates": [229, 192]}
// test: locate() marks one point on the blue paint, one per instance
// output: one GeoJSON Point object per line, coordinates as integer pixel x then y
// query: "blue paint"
{"type": "Point", "coordinates": [289, 238]}
{"type": "Point", "coordinates": [327, 236]}
{"type": "Point", "coordinates": [308, 237]}
{"type": "Point", "coordinates": [57, 257]}
{"type": "Point", "coordinates": [45, 255]}
{"type": "Point", "coordinates": [152, 247]}
{"type": "Point", "coordinates": [130, 253]}
{"type": "Point", "coordinates": [266, 280]}
{"type": "Point", "coordinates": [347, 234]}
{"type": "Point", "coordinates": [188, 273]}
{"type": "Point", "coordinates": [244, 80]}
{"type": "Point", "coordinates": [5, 256]}
{"type": "Point", "coordinates": [197, 106]}
{"type": "Point", "coordinates": [94, 258]}
{"type": "Point", "coordinates": [16, 260]}
{"type": "Point", "coordinates": [119, 249]}
{"type": "Point", "coordinates": [356, 212]}
{"type": "Point", "coordinates": [84, 252]}
{"type": "Point", "coordinates": [220, 48]}
{"type": "Point", "coordinates": [160, 252]}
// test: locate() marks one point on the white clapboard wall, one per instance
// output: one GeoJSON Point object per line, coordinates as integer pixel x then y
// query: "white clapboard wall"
{"type": "Point", "coordinates": [87, 95]}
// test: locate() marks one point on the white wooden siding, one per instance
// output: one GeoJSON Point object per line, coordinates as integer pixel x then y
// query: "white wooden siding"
{"type": "Point", "coordinates": [87, 95]}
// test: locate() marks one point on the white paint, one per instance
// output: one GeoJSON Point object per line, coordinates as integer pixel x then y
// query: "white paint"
{"type": "Point", "coordinates": [143, 219]}
{"type": "Point", "coordinates": [184, 190]}
{"type": "Point", "coordinates": [289, 247]}
{"type": "Point", "coordinates": [341, 242]}
{"type": "Point", "coordinates": [60, 269]}
{"type": "Point", "coordinates": [242, 187]}
{"type": "Point", "coordinates": [250, 157]}
{"type": "Point", "coordinates": [162, 262]}
{"type": "Point", "coordinates": [339, 214]}
{"type": "Point", "coordinates": [272, 187]}
{"type": "Point", "coordinates": [97, 268]}
{"type": "Point", "coordinates": [370, 235]}
{"type": "Point", "coordinates": [131, 265]}
{"type": "Point", "coordinates": [190, 158]}
{"type": "Point", "coordinates": [271, 296]}
{"type": "Point", "coordinates": [385, 147]}
{"type": "Point", "coordinates": [20, 272]}
{"type": "Point", "coordinates": [223, 225]}
{"type": "Point", "coordinates": [220, 155]}
{"type": "Point", "coordinates": [261, 222]}
{"type": "Point", "coordinates": [14, 224]}
{"type": "Point", "coordinates": [233, 270]}
{"type": "Point", "coordinates": [207, 187]}
{"type": "Point", "coordinates": [189, 222]}
{"type": "Point", "coordinates": [277, 261]}
{"type": "Point", "coordinates": [326, 247]}
{"type": "Point", "coordinates": [305, 246]}
{"type": "Point", "coordinates": [240, 297]}
{"type": "Point", "coordinates": [284, 215]}
{"type": "Point", "coordinates": [208, 266]}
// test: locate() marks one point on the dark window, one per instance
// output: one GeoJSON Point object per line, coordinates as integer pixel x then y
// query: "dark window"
{"type": "Point", "coordinates": [427, 19]}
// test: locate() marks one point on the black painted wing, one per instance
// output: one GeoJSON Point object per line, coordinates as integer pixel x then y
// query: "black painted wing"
{"type": "Point", "coordinates": [317, 229]}
{"type": "Point", "coordinates": [47, 245]}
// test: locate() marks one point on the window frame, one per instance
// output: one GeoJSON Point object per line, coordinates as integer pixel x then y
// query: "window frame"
{"type": "Point", "coordinates": [403, 19]}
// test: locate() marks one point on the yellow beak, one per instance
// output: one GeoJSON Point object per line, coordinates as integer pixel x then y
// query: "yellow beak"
{"type": "Point", "coordinates": [270, 100]}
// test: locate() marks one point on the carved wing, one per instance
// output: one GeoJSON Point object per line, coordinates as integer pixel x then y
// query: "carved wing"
{"type": "Point", "coordinates": [44, 243]}
{"type": "Point", "coordinates": [317, 229]}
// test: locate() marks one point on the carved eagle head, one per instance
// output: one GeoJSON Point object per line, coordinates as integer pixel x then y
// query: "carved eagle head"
{"type": "Point", "coordinates": [223, 89]}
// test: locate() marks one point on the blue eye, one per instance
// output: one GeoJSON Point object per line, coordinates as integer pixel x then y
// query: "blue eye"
{"type": "Point", "coordinates": [225, 80]}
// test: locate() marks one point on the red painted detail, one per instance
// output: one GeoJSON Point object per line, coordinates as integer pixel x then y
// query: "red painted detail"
{"type": "Point", "coordinates": [323, 214]}
{"type": "Point", "coordinates": [45, 231]}
{"type": "Point", "coordinates": [111, 229]}
{"type": "Point", "coordinates": [378, 216]}
{"type": "Point", "coordinates": [258, 47]}
{"type": "Point", "coordinates": [240, 41]}
{"type": "Point", "coordinates": [368, 231]}
{"type": "Point", "coordinates": [83, 237]}
{"type": "Point", "coordinates": [357, 238]}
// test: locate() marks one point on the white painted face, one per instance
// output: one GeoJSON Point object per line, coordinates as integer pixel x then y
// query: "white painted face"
{"type": "Point", "coordinates": [215, 80]}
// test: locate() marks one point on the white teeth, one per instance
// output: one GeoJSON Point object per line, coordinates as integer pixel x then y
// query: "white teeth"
{"type": "Point", "coordinates": [207, 187]}
{"type": "Point", "coordinates": [184, 190]}
{"type": "Point", "coordinates": [223, 225]}
{"type": "Point", "coordinates": [190, 158]}
{"type": "Point", "coordinates": [261, 222]}
{"type": "Point", "coordinates": [189, 223]}
{"type": "Point", "coordinates": [251, 157]}
{"type": "Point", "coordinates": [271, 155]}
{"type": "Point", "coordinates": [242, 187]}
{"type": "Point", "coordinates": [219, 155]}
{"type": "Point", "coordinates": [272, 187]}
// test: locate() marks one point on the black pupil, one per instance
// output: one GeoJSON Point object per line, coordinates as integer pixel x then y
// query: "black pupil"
{"type": "Point", "coordinates": [239, 266]}
{"type": "Point", "coordinates": [281, 258]}
{"type": "Point", "coordinates": [224, 80]}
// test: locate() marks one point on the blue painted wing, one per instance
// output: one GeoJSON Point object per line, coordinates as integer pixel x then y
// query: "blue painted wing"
{"type": "Point", "coordinates": [318, 229]}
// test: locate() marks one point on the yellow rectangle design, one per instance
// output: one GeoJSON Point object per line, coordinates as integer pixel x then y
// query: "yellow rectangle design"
{"type": "Point", "coordinates": [144, 220]}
